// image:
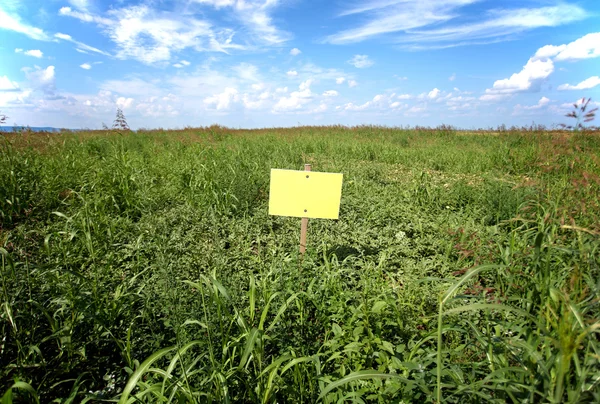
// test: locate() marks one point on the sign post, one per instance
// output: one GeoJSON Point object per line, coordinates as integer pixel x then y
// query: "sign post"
{"type": "Point", "coordinates": [304, 223]}
{"type": "Point", "coordinates": [305, 194]}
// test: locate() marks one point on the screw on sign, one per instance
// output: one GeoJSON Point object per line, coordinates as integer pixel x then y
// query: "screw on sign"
{"type": "Point", "coordinates": [298, 194]}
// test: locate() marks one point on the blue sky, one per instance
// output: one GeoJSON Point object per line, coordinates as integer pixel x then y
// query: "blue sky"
{"type": "Point", "coordinates": [264, 63]}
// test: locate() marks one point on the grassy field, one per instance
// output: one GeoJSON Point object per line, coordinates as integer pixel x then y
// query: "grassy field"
{"type": "Point", "coordinates": [143, 267]}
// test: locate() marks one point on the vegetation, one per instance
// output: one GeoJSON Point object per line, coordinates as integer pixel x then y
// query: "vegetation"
{"type": "Point", "coordinates": [143, 267]}
{"type": "Point", "coordinates": [580, 114]}
{"type": "Point", "coordinates": [120, 122]}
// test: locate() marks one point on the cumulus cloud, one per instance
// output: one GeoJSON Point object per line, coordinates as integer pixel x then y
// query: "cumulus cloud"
{"type": "Point", "coordinates": [292, 73]}
{"type": "Point", "coordinates": [529, 79]}
{"type": "Point", "coordinates": [7, 85]}
{"type": "Point", "coordinates": [224, 100]}
{"type": "Point", "coordinates": [295, 52]}
{"type": "Point", "coordinates": [452, 77]}
{"type": "Point", "coordinates": [86, 66]}
{"type": "Point", "coordinates": [124, 103]}
{"type": "Point", "coordinates": [361, 61]}
{"type": "Point", "coordinates": [352, 83]}
{"type": "Point", "coordinates": [340, 80]}
{"type": "Point", "coordinates": [296, 99]}
{"type": "Point", "coordinates": [541, 65]}
{"type": "Point", "coordinates": [433, 94]}
{"type": "Point", "coordinates": [41, 77]}
{"type": "Point", "coordinates": [531, 109]}
{"type": "Point", "coordinates": [42, 82]}
{"type": "Point", "coordinates": [36, 53]}
{"type": "Point", "coordinates": [584, 85]}
{"type": "Point", "coordinates": [586, 47]}
{"type": "Point", "coordinates": [330, 93]}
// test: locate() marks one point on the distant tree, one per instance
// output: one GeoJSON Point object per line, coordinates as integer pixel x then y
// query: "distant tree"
{"type": "Point", "coordinates": [104, 127]}
{"type": "Point", "coordinates": [120, 121]}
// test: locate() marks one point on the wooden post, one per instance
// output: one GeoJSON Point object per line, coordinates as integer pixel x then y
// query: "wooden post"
{"type": "Point", "coordinates": [304, 224]}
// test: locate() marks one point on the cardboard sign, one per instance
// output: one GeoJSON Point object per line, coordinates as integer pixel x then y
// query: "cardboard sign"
{"type": "Point", "coordinates": [305, 194]}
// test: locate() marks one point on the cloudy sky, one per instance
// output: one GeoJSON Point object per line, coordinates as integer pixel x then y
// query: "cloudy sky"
{"type": "Point", "coordinates": [262, 63]}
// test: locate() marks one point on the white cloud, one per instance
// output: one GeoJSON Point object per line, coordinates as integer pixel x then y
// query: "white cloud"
{"type": "Point", "coordinates": [181, 64]}
{"type": "Point", "coordinates": [340, 80]}
{"type": "Point", "coordinates": [541, 65]}
{"type": "Point", "coordinates": [84, 16]}
{"type": "Point", "coordinates": [321, 108]}
{"type": "Point", "coordinates": [352, 83]}
{"type": "Point", "coordinates": [295, 52]}
{"type": "Point", "coordinates": [522, 109]}
{"type": "Point", "coordinates": [292, 73]}
{"type": "Point", "coordinates": [36, 53]}
{"type": "Point", "coordinates": [43, 81]}
{"type": "Point", "coordinates": [584, 85]}
{"type": "Point", "coordinates": [281, 90]}
{"type": "Point", "coordinates": [452, 77]}
{"type": "Point", "coordinates": [353, 107]}
{"type": "Point", "coordinates": [41, 77]}
{"type": "Point", "coordinates": [404, 96]}
{"type": "Point", "coordinates": [255, 15]}
{"type": "Point", "coordinates": [247, 72]}
{"type": "Point", "coordinates": [417, 109]}
{"type": "Point", "coordinates": [7, 85]}
{"type": "Point", "coordinates": [493, 97]}
{"type": "Point", "coordinates": [361, 61]}
{"type": "Point", "coordinates": [81, 47]}
{"type": "Point", "coordinates": [330, 93]}
{"type": "Point", "coordinates": [151, 36]}
{"type": "Point", "coordinates": [529, 79]}
{"type": "Point", "coordinates": [13, 22]}
{"type": "Point", "coordinates": [224, 100]}
{"type": "Point", "coordinates": [296, 100]}
{"type": "Point", "coordinates": [86, 66]}
{"type": "Point", "coordinates": [305, 85]}
{"type": "Point", "coordinates": [124, 103]}
{"type": "Point", "coordinates": [588, 46]}
{"type": "Point", "coordinates": [433, 94]}
{"type": "Point", "coordinates": [436, 23]}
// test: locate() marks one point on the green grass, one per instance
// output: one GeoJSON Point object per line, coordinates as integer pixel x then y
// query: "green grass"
{"type": "Point", "coordinates": [144, 267]}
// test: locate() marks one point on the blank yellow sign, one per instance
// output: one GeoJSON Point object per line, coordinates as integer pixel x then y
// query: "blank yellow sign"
{"type": "Point", "coordinates": [305, 194]}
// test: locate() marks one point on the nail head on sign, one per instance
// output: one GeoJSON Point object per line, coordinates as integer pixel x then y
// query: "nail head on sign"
{"type": "Point", "coordinates": [305, 210]}
{"type": "Point", "coordinates": [307, 176]}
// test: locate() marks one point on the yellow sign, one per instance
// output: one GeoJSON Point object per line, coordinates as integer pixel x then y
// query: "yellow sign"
{"type": "Point", "coordinates": [305, 194]}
